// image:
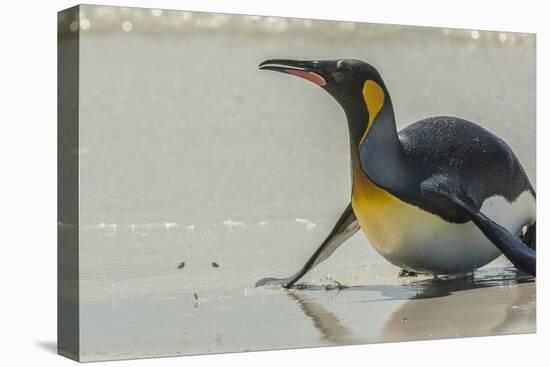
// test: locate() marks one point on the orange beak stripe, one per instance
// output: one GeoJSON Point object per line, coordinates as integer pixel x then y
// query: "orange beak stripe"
{"type": "Point", "coordinates": [308, 75]}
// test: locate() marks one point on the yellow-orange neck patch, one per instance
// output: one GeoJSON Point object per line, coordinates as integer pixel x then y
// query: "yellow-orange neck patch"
{"type": "Point", "coordinates": [373, 94]}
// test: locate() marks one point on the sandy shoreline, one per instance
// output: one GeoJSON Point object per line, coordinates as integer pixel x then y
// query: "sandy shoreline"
{"type": "Point", "coordinates": [494, 302]}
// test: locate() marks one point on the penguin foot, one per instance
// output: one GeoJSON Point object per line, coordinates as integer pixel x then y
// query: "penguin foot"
{"type": "Point", "coordinates": [528, 235]}
{"type": "Point", "coordinates": [403, 273]}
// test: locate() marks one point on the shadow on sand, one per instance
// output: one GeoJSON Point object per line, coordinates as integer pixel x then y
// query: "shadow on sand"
{"type": "Point", "coordinates": [48, 345]}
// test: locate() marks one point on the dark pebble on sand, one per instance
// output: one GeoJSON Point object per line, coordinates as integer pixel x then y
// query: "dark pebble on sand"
{"type": "Point", "coordinates": [180, 266]}
{"type": "Point", "coordinates": [215, 265]}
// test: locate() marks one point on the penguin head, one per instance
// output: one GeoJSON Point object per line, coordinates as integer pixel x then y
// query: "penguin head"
{"type": "Point", "coordinates": [347, 80]}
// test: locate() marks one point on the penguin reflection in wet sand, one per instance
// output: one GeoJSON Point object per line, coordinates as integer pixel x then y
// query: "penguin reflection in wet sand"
{"type": "Point", "coordinates": [442, 196]}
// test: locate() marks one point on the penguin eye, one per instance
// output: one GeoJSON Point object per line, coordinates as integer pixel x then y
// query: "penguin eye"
{"type": "Point", "coordinates": [338, 76]}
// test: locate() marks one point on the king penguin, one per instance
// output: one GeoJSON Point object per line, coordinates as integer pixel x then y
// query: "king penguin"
{"type": "Point", "coordinates": [441, 196]}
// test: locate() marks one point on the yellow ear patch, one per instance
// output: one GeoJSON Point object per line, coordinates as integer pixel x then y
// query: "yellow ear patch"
{"type": "Point", "coordinates": [374, 100]}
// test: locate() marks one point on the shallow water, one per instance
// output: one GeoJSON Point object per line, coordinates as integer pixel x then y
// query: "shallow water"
{"type": "Point", "coordinates": [189, 154]}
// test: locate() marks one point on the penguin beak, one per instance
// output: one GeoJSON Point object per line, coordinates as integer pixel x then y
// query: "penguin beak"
{"type": "Point", "coordinates": [308, 70]}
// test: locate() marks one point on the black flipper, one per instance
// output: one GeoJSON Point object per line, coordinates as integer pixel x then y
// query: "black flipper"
{"type": "Point", "coordinates": [344, 228]}
{"type": "Point", "coordinates": [519, 254]}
